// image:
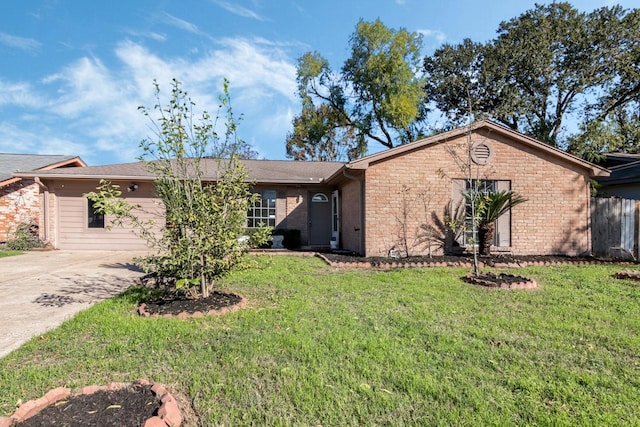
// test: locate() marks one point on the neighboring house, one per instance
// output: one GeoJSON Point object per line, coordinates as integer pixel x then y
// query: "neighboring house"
{"type": "Point", "coordinates": [624, 180]}
{"type": "Point", "coordinates": [374, 205]}
{"type": "Point", "coordinates": [20, 197]}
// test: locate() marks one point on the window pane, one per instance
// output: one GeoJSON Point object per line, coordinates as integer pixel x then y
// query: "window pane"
{"type": "Point", "coordinates": [94, 219]}
{"type": "Point", "coordinates": [482, 187]}
{"type": "Point", "coordinates": [263, 211]}
{"type": "Point", "coordinates": [320, 198]}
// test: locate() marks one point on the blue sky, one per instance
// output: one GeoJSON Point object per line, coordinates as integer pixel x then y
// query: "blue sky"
{"type": "Point", "coordinates": [74, 71]}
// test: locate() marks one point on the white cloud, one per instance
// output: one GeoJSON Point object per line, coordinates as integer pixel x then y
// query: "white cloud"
{"type": "Point", "coordinates": [238, 10]}
{"type": "Point", "coordinates": [85, 85]}
{"type": "Point", "coordinates": [20, 139]}
{"type": "Point", "coordinates": [19, 94]}
{"type": "Point", "coordinates": [148, 35]}
{"type": "Point", "coordinates": [96, 106]}
{"type": "Point", "coordinates": [19, 42]}
{"type": "Point", "coordinates": [439, 36]}
{"type": "Point", "coordinates": [181, 23]}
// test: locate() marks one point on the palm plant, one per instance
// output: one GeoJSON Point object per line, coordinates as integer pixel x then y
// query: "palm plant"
{"type": "Point", "coordinates": [488, 208]}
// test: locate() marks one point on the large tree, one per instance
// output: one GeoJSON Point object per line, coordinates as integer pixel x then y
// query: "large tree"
{"type": "Point", "coordinates": [613, 122]}
{"type": "Point", "coordinates": [544, 65]}
{"type": "Point", "coordinates": [377, 96]}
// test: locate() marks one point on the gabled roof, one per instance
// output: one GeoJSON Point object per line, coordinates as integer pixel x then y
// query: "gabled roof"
{"type": "Point", "coordinates": [625, 173]}
{"type": "Point", "coordinates": [260, 171]}
{"type": "Point", "coordinates": [10, 164]}
{"type": "Point", "coordinates": [363, 163]}
{"type": "Point", "coordinates": [617, 159]}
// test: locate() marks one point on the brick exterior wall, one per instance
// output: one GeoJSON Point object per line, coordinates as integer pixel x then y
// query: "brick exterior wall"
{"type": "Point", "coordinates": [351, 216]}
{"type": "Point", "coordinates": [19, 203]}
{"type": "Point", "coordinates": [554, 220]}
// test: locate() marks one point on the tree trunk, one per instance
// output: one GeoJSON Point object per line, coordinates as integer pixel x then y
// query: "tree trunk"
{"type": "Point", "coordinates": [203, 279]}
{"type": "Point", "coordinates": [485, 238]}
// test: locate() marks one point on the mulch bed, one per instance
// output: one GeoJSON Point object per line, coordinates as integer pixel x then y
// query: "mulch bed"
{"type": "Point", "coordinates": [465, 260]}
{"type": "Point", "coordinates": [182, 306]}
{"type": "Point", "coordinates": [116, 405]}
{"type": "Point", "coordinates": [502, 281]}
{"type": "Point", "coordinates": [628, 274]}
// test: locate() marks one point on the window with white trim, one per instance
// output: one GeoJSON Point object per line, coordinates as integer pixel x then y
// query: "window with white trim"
{"type": "Point", "coordinates": [95, 219]}
{"type": "Point", "coordinates": [478, 187]}
{"type": "Point", "coordinates": [263, 211]}
{"type": "Point", "coordinates": [502, 239]}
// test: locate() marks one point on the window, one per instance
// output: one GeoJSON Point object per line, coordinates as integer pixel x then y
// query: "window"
{"type": "Point", "coordinates": [320, 198]}
{"type": "Point", "coordinates": [480, 187]}
{"type": "Point", "coordinates": [263, 211]}
{"type": "Point", "coordinates": [94, 218]}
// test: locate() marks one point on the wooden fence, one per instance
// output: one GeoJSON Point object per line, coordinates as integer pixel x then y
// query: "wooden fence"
{"type": "Point", "coordinates": [614, 227]}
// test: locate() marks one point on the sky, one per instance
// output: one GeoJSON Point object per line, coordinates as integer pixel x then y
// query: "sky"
{"type": "Point", "coordinates": [74, 72]}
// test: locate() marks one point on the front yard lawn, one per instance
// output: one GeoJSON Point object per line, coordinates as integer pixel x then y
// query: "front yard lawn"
{"type": "Point", "coordinates": [322, 346]}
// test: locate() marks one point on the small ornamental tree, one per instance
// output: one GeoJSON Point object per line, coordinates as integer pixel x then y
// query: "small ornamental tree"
{"type": "Point", "coordinates": [488, 208]}
{"type": "Point", "coordinates": [205, 206]}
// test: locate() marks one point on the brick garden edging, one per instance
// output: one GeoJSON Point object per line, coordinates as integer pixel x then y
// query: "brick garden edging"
{"type": "Point", "coordinates": [628, 274]}
{"type": "Point", "coordinates": [185, 315]}
{"type": "Point", "coordinates": [522, 264]}
{"type": "Point", "coordinates": [521, 283]}
{"type": "Point", "coordinates": [169, 414]}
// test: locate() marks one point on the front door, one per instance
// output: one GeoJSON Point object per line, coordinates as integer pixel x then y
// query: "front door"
{"type": "Point", "coordinates": [319, 219]}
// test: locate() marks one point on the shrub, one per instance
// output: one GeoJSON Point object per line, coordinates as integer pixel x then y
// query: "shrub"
{"type": "Point", "coordinates": [24, 237]}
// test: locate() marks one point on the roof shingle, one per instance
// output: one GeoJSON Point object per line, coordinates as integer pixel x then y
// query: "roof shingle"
{"type": "Point", "coordinates": [11, 163]}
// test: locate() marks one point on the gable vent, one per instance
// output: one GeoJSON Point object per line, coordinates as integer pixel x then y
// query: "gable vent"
{"type": "Point", "coordinates": [481, 153]}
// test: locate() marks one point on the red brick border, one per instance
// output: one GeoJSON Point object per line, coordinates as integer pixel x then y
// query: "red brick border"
{"type": "Point", "coordinates": [186, 315]}
{"type": "Point", "coordinates": [169, 414]}
{"type": "Point", "coordinates": [524, 283]}
{"type": "Point", "coordinates": [628, 274]}
{"type": "Point", "coordinates": [394, 264]}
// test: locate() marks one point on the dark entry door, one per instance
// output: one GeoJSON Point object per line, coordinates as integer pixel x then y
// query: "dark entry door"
{"type": "Point", "coordinates": [319, 219]}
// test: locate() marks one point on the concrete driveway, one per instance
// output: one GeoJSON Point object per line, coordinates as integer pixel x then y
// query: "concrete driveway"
{"type": "Point", "coordinates": [40, 290]}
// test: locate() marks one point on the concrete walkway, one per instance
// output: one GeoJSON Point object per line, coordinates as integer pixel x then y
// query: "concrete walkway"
{"type": "Point", "coordinates": [40, 290]}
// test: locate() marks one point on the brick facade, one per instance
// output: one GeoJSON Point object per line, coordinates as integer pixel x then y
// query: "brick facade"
{"type": "Point", "coordinates": [19, 203]}
{"type": "Point", "coordinates": [554, 220]}
{"type": "Point", "coordinates": [351, 215]}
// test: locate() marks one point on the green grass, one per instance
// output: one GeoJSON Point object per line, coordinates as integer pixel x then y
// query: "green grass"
{"type": "Point", "coordinates": [320, 346]}
{"type": "Point", "coordinates": [6, 252]}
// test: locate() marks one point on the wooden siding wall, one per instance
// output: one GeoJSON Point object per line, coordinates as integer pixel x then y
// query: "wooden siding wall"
{"type": "Point", "coordinates": [69, 211]}
{"type": "Point", "coordinates": [614, 225]}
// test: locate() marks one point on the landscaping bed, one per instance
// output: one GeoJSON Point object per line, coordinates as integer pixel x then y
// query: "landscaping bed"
{"type": "Point", "coordinates": [465, 260]}
{"type": "Point", "coordinates": [182, 306]}
{"type": "Point", "coordinates": [116, 405]}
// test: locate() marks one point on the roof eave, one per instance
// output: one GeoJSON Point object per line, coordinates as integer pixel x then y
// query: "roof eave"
{"type": "Point", "coordinates": [76, 161]}
{"type": "Point", "coordinates": [49, 176]}
{"type": "Point", "coordinates": [9, 181]}
{"type": "Point", "coordinates": [594, 170]}
{"type": "Point", "coordinates": [82, 176]}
